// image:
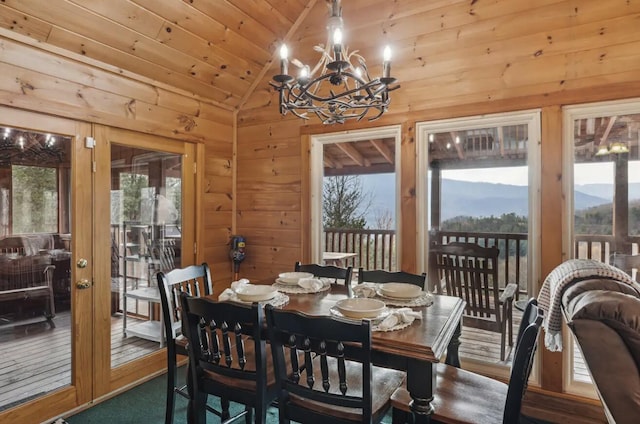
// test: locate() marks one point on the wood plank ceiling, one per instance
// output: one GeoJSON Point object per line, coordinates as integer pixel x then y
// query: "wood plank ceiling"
{"type": "Point", "coordinates": [218, 50]}
{"type": "Point", "coordinates": [445, 52]}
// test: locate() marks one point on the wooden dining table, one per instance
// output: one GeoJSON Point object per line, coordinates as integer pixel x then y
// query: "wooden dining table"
{"type": "Point", "coordinates": [415, 349]}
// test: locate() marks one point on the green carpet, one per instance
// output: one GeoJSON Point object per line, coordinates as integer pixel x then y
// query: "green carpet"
{"type": "Point", "coordinates": [146, 403]}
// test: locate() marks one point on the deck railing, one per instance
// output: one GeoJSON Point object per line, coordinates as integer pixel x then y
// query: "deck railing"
{"type": "Point", "coordinates": [376, 249]}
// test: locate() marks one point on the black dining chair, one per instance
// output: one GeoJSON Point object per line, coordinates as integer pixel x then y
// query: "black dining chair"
{"type": "Point", "coordinates": [228, 358]}
{"type": "Point", "coordinates": [327, 271]}
{"type": "Point", "coordinates": [382, 276]}
{"type": "Point", "coordinates": [195, 280]}
{"type": "Point", "coordinates": [464, 397]}
{"type": "Point", "coordinates": [333, 381]}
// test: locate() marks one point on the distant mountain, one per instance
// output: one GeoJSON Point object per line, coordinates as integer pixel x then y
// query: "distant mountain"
{"type": "Point", "coordinates": [606, 190]}
{"type": "Point", "coordinates": [477, 199]}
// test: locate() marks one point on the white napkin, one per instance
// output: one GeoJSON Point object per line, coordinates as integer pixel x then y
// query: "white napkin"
{"type": "Point", "coordinates": [230, 293]}
{"type": "Point", "coordinates": [365, 290]}
{"type": "Point", "coordinates": [312, 284]}
{"type": "Point", "coordinates": [399, 316]}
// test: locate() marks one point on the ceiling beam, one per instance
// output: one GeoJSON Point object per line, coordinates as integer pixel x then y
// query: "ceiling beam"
{"type": "Point", "coordinates": [265, 68]}
{"type": "Point", "coordinates": [354, 154]}
{"type": "Point", "coordinates": [605, 135]}
{"type": "Point", "coordinates": [330, 161]}
{"type": "Point", "coordinates": [383, 150]}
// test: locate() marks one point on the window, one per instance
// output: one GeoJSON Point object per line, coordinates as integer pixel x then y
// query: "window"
{"type": "Point", "coordinates": [476, 185]}
{"type": "Point", "coordinates": [601, 158]}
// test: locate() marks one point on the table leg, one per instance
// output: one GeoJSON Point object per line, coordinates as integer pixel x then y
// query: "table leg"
{"type": "Point", "coordinates": [453, 358]}
{"type": "Point", "coordinates": [421, 382]}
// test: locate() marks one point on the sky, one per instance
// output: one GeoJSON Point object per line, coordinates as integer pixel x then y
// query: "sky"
{"type": "Point", "coordinates": [585, 173]}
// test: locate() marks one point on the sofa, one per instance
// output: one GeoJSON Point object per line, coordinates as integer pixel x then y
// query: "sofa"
{"type": "Point", "coordinates": [604, 318]}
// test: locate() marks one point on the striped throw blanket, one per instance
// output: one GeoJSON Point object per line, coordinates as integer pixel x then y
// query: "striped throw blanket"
{"type": "Point", "coordinates": [565, 274]}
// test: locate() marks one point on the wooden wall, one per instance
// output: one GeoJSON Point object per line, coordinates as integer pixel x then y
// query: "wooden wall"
{"type": "Point", "coordinates": [43, 81]}
{"type": "Point", "coordinates": [452, 59]}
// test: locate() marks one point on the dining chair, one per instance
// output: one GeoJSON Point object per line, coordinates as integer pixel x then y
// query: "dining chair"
{"type": "Point", "coordinates": [195, 280]}
{"type": "Point", "coordinates": [334, 380]}
{"type": "Point", "coordinates": [470, 271]}
{"type": "Point", "coordinates": [327, 271]}
{"type": "Point", "coordinates": [464, 397]}
{"type": "Point", "coordinates": [382, 276]}
{"type": "Point", "coordinates": [228, 358]}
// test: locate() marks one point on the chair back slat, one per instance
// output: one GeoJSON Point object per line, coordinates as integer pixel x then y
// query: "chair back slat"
{"type": "Point", "coordinates": [382, 276]}
{"type": "Point", "coordinates": [327, 271]}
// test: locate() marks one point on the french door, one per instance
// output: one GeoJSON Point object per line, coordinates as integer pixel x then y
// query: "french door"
{"type": "Point", "coordinates": [46, 322]}
{"type": "Point", "coordinates": [82, 209]}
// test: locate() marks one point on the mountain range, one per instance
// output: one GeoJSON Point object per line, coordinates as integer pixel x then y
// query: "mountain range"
{"type": "Point", "coordinates": [477, 199]}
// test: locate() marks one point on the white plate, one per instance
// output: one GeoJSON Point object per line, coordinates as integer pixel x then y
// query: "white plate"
{"type": "Point", "coordinates": [375, 320]}
{"type": "Point", "coordinates": [360, 307]}
{"type": "Point", "coordinates": [255, 293]}
{"type": "Point", "coordinates": [292, 277]}
{"type": "Point", "coordinates": [400, 290]}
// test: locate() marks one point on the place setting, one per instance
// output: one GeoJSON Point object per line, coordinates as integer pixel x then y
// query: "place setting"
{"type": "Point", "coordinates": [301, 283]}
{"type": "Point", "coordinates": [382, 317]}
{"type": "Point", "coordinates": [244, 292]}
{"type": "Point", "coordinates": [394, 294]}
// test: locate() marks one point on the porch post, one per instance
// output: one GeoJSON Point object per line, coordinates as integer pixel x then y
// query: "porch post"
{"type": "Point", "coordinates": [621, 205]}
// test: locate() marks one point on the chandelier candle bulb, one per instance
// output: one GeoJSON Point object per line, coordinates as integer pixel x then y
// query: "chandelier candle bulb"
{"type": "Point", "coordinates": [337, 44]}
{"type": "Point", "coordinates": [386, 64]}
{"type": "Point", "coordinates": [284, 63]}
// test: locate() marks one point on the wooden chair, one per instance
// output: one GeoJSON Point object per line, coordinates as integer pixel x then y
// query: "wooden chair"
{"type": "Point", "coordinates": [327, 271]}
{"type": "Point", "coordinates": [381, 276]}
{"type": "Point", "coordinates": [195, 280]}
{"type": "Point", "coordinates": [470, 271]}
{"type": "Point", "coordinates": [336, 382]}
{"type": "Point", "coordinates": [228, 357]}
{"type": "Point", "coordinates": [463, 397]}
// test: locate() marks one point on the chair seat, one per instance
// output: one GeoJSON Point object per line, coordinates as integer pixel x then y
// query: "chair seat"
{"type": "Point", "coordinates": [461, 397]}
{"type": "Point", "coordinates": [384, 382]}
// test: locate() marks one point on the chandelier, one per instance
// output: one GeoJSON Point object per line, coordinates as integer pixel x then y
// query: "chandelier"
{"type": "Point", "coordinates": [341, 91]}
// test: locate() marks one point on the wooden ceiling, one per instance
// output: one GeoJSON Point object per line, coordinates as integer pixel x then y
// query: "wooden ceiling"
{"type": "Point", "coordinates": [445, 52]}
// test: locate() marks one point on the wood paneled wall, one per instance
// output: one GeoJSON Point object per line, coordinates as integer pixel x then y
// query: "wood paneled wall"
{"type": "Point", "coordinates": [457, 58]}
{"type": "Point", "coordinates": [42, 81]}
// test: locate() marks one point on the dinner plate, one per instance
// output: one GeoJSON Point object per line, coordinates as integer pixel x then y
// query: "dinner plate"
{"type": "Point", "coordinates": [255, 293]}
{"type": "Point", "coordinates": [375, 320]}
{"type": "Point", "coordinates": [292, 277]}
{"type": "Point", "coordinates": [360, 307]}
{"type": "Point", "coordinates": [400, 290]}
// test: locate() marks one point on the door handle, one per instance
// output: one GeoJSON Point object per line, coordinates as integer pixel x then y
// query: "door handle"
{"type": "Point", "coordinates": [83, 284]}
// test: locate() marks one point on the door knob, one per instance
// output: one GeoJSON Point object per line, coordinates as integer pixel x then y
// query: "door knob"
{"type": "Point", "coordinates": [83, 284]}
{"type": "Point", "coordinates": [82, 263]}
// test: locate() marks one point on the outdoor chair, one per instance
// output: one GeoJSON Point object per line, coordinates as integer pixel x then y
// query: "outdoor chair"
{"type": "Point", "coordinates": [334, 382]}
{"type": "Point", "coordinates": [195, 280]}
{"type": "Point", "coordinates": [470, 271]}
{"type": "Point", "coordinates": [464, 397]}
{"type": "Point", "coordinates": [382, 276]}
{"type": "Point", "coordinates": [228, 358]}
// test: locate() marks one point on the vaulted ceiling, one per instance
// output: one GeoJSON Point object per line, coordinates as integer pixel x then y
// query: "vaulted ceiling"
{"type": "Point", "coordinates": [446, 53]}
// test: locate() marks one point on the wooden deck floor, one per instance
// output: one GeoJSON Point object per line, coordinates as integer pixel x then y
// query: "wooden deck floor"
{"type": "Point", "coordinates": [25, 375]}
{"type": "Point", "coordinates": [37, 359]}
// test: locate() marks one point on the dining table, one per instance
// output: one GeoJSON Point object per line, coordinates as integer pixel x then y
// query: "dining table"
{"type": "Point", "coordinates": [415, 349]}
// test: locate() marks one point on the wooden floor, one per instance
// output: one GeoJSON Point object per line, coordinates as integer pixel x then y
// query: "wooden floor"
{"type": "Point", "coordinates": [37, 359]}
{"type": "Point", "coordinates": [25, 375]}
